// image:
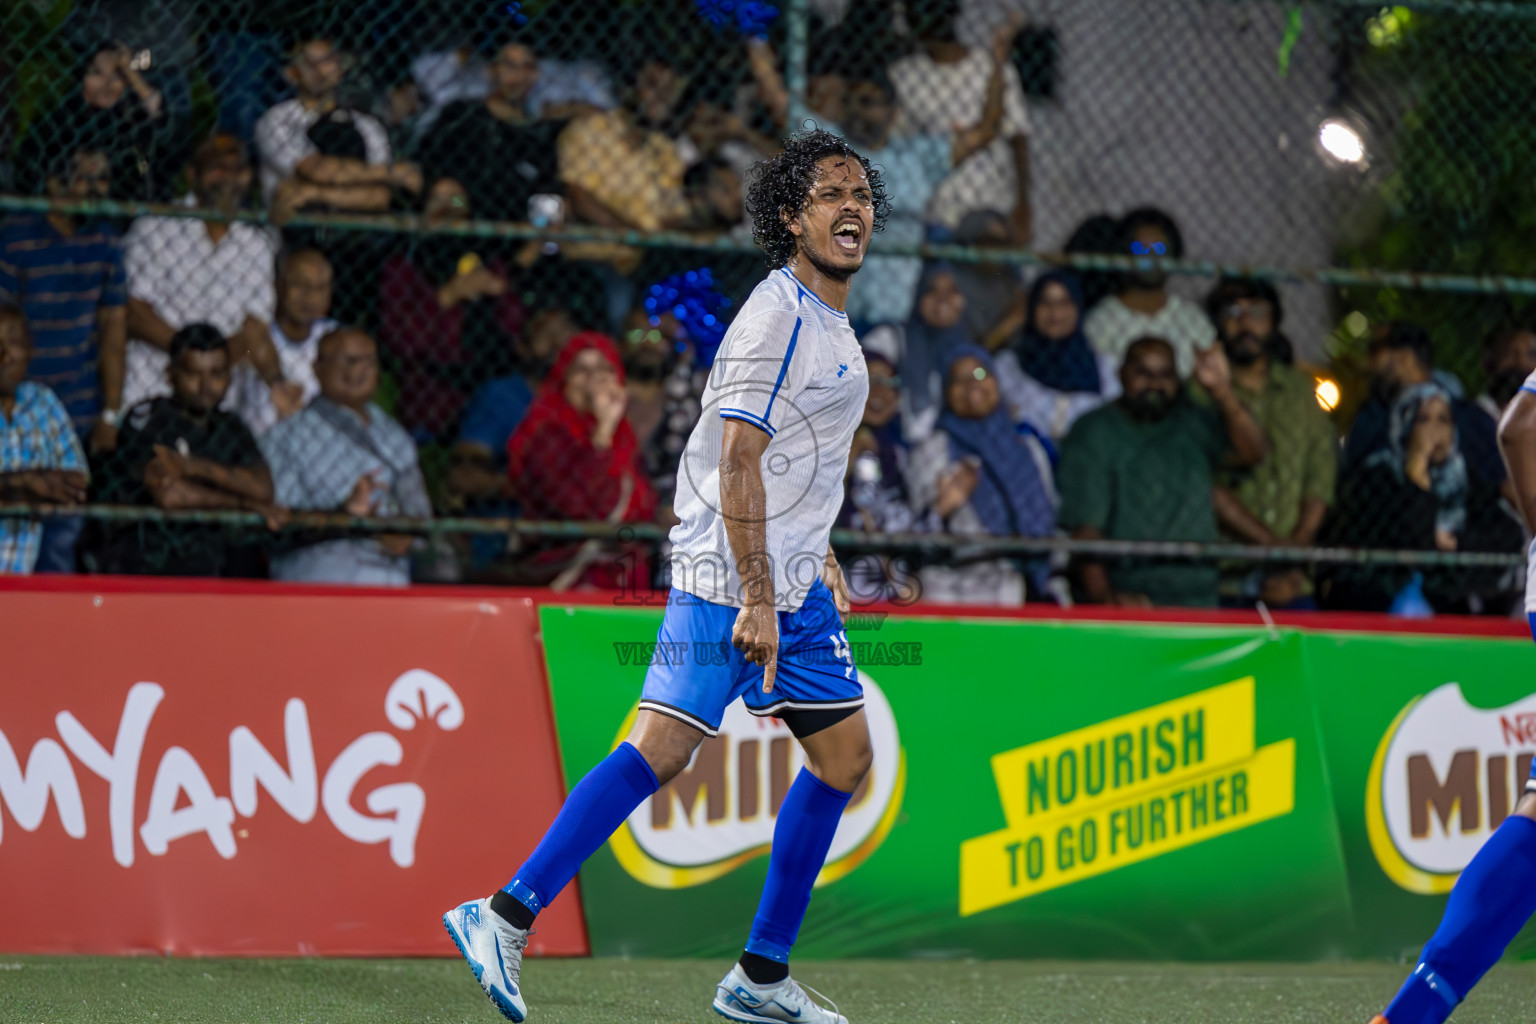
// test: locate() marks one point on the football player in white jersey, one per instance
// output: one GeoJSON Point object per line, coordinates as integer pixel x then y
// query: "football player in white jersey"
{"type": "Point", "coordinates": [760, 484]}
{"type": "Point", "coordinates": [1496, 893]}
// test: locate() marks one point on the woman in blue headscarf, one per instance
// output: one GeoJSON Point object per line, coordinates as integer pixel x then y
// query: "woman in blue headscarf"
{"type": "Point", "coordinates": [1050, 376]}
{"type": "Point", "coordinates": [921, 347]}
{"type": "Point", "coordinates": [1416, 494]}
{"type": "Point", "coordinates": [977, 474]}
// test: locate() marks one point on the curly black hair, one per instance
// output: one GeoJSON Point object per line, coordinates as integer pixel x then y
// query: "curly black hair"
{"type": "Point", "coordinates": [781, 184]}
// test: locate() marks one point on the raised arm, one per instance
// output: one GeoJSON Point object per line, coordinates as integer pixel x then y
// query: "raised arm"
{"type": "Point", "coordinates": [983, 132]}
{"type": "Point", "coordinates": [1244, 435]}
{"type": "Point", "coordinates": [770, 84]}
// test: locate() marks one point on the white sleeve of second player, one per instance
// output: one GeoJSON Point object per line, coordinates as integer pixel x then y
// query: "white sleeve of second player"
{"type": "Point", "coordinates": [762, 368]}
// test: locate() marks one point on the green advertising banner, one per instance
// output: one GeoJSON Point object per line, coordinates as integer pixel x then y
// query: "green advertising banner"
{"type": "Point", "coordinates": [1039, 789]}
{"type": "Point", "coordinates": [1428, 742]}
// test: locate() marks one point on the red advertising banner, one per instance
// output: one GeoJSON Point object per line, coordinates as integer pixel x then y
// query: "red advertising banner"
{"type": "Point", "coordinates": [268, 772]}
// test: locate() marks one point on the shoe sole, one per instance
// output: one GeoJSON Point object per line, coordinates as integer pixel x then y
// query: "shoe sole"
{"type": "Point", "coordinates": [743, 1018]}
{"type": "Point", "coordinates": [500, 1002]}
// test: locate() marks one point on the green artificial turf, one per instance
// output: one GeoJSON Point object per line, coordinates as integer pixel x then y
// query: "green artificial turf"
{"type": "Point", "coordinates": [56, 990]}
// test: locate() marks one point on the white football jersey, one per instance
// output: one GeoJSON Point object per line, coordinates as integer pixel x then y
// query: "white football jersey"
{"type": "Point", "coordinates": [791, 366]}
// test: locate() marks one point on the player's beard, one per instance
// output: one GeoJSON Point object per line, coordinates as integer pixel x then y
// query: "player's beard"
{"type": "Point", "coordinates": [823, 264]}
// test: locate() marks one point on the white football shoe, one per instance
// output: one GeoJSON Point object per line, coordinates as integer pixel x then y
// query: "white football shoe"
{"type": "Point", "coordinates": [494, 949]}
{"type": "Point", "coordinates": [737, 998]}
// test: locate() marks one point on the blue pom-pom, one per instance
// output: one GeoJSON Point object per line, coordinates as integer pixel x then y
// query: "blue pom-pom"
{"type": "Point", "coordinates": [692, 299]}
{"type": "Point", "coordinates": [748, 17]}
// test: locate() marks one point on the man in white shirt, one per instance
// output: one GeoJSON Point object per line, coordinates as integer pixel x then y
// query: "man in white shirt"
{"type": "Point", "coordinates": [321, 153]}
{"type": "Point", "coordinates": [1142, 306]}
{"type": "Point", "coordinates": [182, 271]}
{"type": "Point", "coordinates": [945, 84]}
{"type": "Point", "coordinates": [303, 306]}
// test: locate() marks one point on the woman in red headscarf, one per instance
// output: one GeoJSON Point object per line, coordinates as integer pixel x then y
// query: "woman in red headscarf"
{"type": "Point", "coordinates": [575, 457]}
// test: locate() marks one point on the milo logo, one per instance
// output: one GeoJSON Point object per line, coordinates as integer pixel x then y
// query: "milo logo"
{"type": "Point", "coordinates": [719, 812]}
{"type": "Point", "coordinates": [1445, 775]}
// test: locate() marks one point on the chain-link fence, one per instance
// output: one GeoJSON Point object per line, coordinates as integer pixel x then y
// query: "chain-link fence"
{"type": "Point", "coordinates": [530, 211]}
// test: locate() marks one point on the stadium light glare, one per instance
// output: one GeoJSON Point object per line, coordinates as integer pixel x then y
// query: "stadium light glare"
{"type": "Point", "coordinates": [1328, 394]}
{"type": "Point", "coordinates": [1341, 141]}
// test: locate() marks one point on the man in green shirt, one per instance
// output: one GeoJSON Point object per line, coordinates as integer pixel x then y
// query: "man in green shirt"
{"type": "Point", "coordinates": [1141, 468]}
{"type": "Point", "coordinates": [1280, 501]}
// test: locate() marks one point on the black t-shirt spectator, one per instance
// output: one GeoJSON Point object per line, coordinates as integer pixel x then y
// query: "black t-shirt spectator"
{"type": "Point", "coordinates": [146, 152]}
{"type": "Point", "coordinates": [499, 163]}
{"type": "Point", "coordinates": [160, 548]}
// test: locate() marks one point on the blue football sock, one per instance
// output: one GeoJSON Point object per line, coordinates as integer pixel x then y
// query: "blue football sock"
{"type": "Point", "coordinates": [1491, 902]}
{"type": "Point", "coordinates": [801, 838]}
{"type": "Point", "coordinates": [595, 809]}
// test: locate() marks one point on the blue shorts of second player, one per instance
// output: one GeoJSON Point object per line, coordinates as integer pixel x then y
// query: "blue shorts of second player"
{"type": "Point", "coordinates": [696, 673]}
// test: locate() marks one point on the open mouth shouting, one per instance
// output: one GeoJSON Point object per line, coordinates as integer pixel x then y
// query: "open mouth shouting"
{"type": "Point", "coordinates": [848, 236]}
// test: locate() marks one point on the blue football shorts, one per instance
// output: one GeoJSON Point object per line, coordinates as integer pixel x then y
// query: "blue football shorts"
{"type": "Point", "coordinates": [696, 673]}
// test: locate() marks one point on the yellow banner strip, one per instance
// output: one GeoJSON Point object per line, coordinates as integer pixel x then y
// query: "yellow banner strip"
{"type": "Point", "coordinates": [1016, 863]}
{"type": "Point", "coordinates": [1110, 762]}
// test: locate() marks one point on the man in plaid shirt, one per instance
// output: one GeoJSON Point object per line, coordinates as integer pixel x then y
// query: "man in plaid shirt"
{"type": "Point", "coordinates": [41, 460]}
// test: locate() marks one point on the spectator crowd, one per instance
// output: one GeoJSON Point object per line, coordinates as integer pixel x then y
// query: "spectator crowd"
{"type": "Point", "coordinates": [204, 360]}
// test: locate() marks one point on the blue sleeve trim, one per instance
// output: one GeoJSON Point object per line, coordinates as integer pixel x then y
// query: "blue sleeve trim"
{"type": "Point", "coordinates": [1527, 387]}
{"type": "Point", "coordinates": [789, 354]}
{"type": "Point", "coordinates": [750, 417]}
